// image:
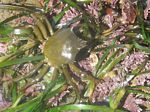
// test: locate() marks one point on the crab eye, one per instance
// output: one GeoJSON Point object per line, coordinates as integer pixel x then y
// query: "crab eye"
{"type": "Point", "coordinates": [62, 47]}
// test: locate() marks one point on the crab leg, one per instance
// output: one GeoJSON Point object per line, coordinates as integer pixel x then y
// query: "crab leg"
{"type": "Point", "coordinates": [38, 34]}
{"type": "Point", "coordinates": [89, 79]}
{"type": "Point", "coordinates": [38, 78]}
{"type": "Point", "coordinates": [86, 76]}
{"type": "Point", "coordinates": [37, 67]}
{"type": "Point", "coordinates": [49, 26]}
{"type": "Point", "coordinates": [45, 22]}
{"type": "Point", "coordinates": [40, 25]}
{"type": "Point", "coordinates": [68, 77]}
{"type": "Point", "coordinates": [40, 19]}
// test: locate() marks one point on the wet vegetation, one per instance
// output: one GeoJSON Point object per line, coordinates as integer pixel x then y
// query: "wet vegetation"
{"type": "Point", "coordinates": [74, 56]}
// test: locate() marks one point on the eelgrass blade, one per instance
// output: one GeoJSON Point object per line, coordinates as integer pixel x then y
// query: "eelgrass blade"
{"type": "Point", "coordinates": [22, 49]}
{"type": "Point", "coordinates": [138, 92]}
{"type": "Point", "coordinates": [84, 1]}
{"type": "Point", "coordinates": [112, 57]}
{"type": "Point", "coordinates": [90, 88]}
{"type": "Point", "coordinates": [14, 92]}
{"type": "Point", "coordinates": [71, 3]}
{"type": "Point", "coordinates": [101, 60]}
{"type": "Point", "coordinates": [5, 39]}
{"type": "Point", "coordinates": [113, 61]}
{"type": "Point", "coordinates": [137, 71]}
{"type": "Point", "coordinates": [35, 104]}
{"type": "Point", "coordinates": [144, 72]}
{"type": "Point", "coordinates": [139, 68]}
{"type": "Point", "coordinates": [21, 60]}
{"type": "Point", "coordinates": [142, 88]}
{"type": "Point", "coordinates": [14, 17]}
{"type": "Point", "coordinates": [5, 29]}
{"type": "Point", "coordinates": [138, 46]}
{"type": "Point", "coordinates": [17, 101]}
{"type": "Point", "coordinates": [58, 17]}
{"type": "Point", "coordinates": [23, 31]}
{"type": "Point", "coordinates": [141, 21]}
{"type": "Point", "coordinates": [81, 107]}
{"type": "Point", "coordinates": [18, 7]}
{"type": "Point", "coordinates": [22, 106]}
{"type": "Point", "coordinates": [115, 99]}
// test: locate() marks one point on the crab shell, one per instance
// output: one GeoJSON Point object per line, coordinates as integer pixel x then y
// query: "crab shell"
{"type": "Point", "coordinates": [62, 47]}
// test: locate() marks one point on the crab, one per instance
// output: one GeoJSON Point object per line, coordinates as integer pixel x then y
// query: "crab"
{"type": "Point", "coordinates": [60, 49]}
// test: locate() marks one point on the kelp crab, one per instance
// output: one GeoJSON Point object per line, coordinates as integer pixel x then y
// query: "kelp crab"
{"type": "Point", "coordinates": [60, 48]}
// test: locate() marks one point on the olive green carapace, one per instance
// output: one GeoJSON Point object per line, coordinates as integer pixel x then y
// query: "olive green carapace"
{"type": "Point", "coordinates": [62, 47]}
